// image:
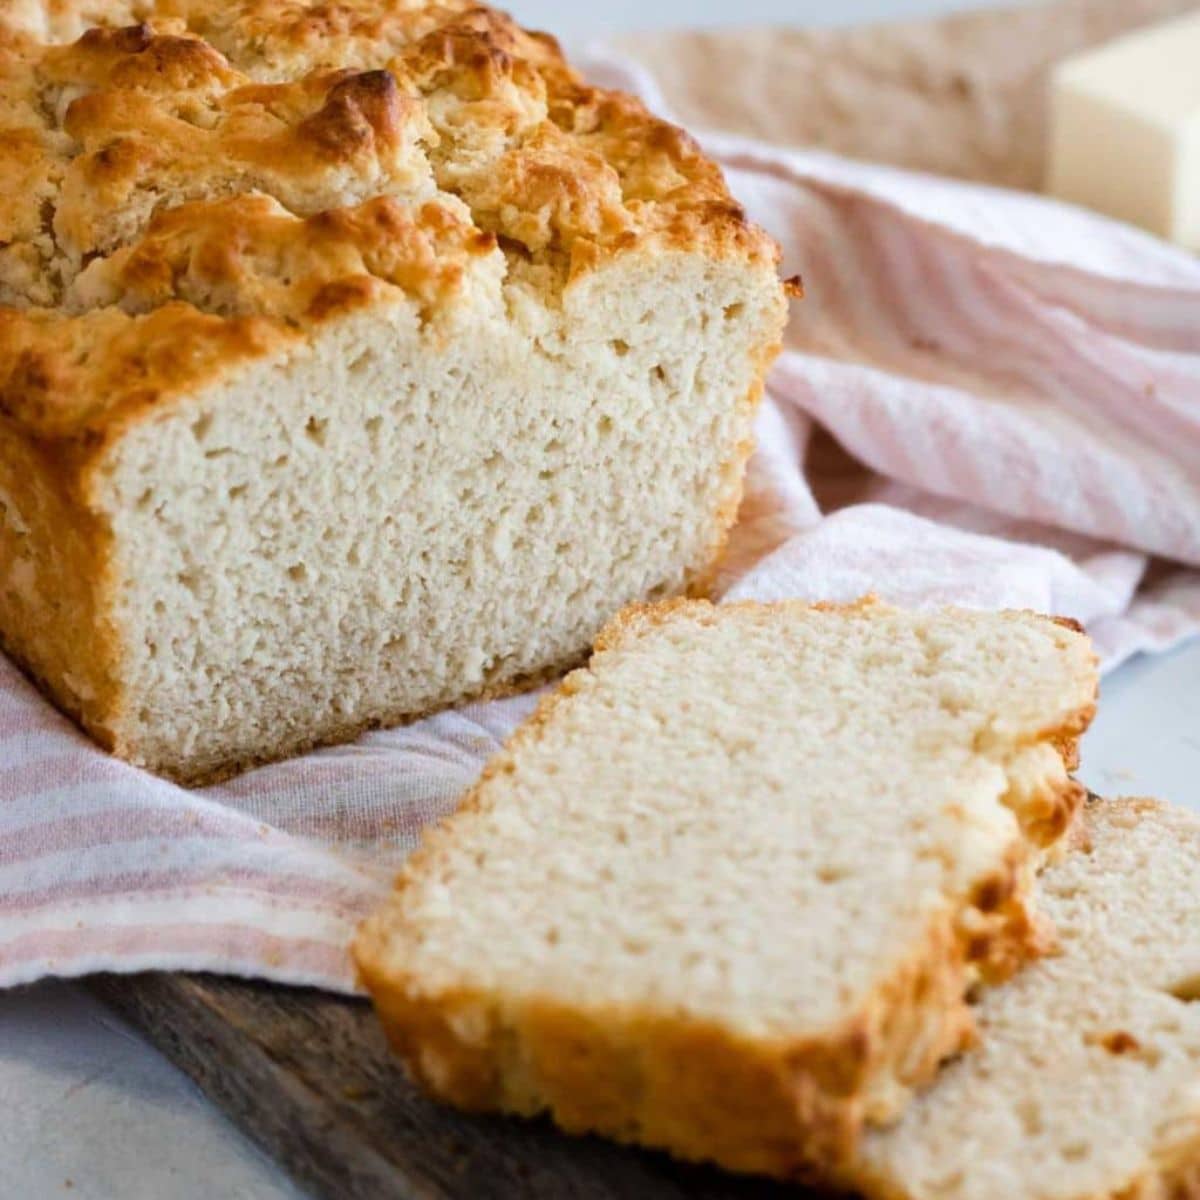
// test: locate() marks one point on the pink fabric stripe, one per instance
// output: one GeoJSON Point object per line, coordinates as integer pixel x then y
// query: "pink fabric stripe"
{"type": "Point", "coordinates": [70, 952]}
{"type": "Point", "coordinates": [912, 299]}
{"type": "Point", "coordinates": [111, 827]}
{"type": "Point", "coordinates": [18, 716]}
{"type": "Point", "coordinates": [386, 825]}
{"type": "Point", "coordinates": [204, 884]}
{"type": "Point", "coordinates": [70, 765]}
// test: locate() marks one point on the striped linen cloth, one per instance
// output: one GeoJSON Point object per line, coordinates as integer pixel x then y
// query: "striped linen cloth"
{"type": "Point", "coordinates": [988, 399]}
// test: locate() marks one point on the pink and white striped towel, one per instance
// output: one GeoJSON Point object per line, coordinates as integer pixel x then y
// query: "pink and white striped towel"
{"type": "Point", "coordinates": [1014, 390]}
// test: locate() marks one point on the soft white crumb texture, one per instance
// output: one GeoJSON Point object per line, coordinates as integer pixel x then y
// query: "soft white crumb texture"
{"type": "Point", "coordinates": [1086, 1084]}
{"type": "Point", "coordinates": [750, 815]}
{"type": "Point", "coordinates": [396, 517]}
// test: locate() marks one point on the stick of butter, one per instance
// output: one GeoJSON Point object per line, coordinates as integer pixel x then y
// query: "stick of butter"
{"type": "Point", "coordinates": [1125, 130]}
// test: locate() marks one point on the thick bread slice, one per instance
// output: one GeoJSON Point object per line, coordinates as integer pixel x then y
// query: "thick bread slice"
{"type": "Point", "coordinates": [1087, 1082]}
{"type": "Point", "coordinates": [725, 891]}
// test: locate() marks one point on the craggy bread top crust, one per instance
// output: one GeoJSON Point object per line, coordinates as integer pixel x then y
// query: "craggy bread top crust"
{"type": "Point", "coordinates": [192, 183]}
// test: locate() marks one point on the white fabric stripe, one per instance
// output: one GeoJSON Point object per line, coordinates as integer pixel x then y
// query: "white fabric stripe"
{"type": "Point", "coordinates": [195, 856]}
{"type": "Point", "coordinates": [281, 916]}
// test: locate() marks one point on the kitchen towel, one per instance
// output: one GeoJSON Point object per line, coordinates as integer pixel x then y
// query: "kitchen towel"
{"type": "Point", "coordinates": [987, 398]}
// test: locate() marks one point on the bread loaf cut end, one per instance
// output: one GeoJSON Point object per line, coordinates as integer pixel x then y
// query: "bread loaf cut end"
{"type": "Point", "coordinates": [353, 363]}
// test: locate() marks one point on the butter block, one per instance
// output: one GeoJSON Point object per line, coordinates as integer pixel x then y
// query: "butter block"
{"type": "Point", "coordinates": [1125, 130]}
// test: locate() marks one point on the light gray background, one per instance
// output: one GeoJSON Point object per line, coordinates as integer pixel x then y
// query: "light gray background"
{"type": "Point", "coordinates": [89, 1112]}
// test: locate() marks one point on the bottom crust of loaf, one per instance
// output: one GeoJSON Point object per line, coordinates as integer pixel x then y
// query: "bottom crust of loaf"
{"type": "Point", "coordinates": [197, 775]}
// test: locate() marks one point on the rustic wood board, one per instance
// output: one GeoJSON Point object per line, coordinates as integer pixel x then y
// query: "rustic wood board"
{"type": "Point", "coordinates": [309, 1077]}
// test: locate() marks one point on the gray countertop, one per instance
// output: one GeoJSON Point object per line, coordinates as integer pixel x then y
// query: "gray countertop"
{"type": "Point", "coordinates": [92, 1113]}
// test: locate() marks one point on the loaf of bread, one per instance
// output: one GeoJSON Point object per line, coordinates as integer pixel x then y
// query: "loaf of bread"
{"type": "Point", "coordinates": [726, 891]}
{"type": "Point", "coordinates": [1086, 1082]}
{"type": "Point", "coordinates": [355, 358]}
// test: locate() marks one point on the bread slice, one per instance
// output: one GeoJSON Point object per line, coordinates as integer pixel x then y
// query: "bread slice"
{"type": "Point", "coordinates": [725, 892]}
{"type": "Point", "coordinates": [1087, 1083]}
{"type": "Point", "coordinates": [355, 359]}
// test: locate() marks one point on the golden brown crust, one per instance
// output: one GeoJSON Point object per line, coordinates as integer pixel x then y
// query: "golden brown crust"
{"type": "Point", "coordinates": [143, 357]}
{"type": "Point", "coordinates": [226, 175]}
{"type": "Point", "coordinates": [1180, 1181]}
{"type": "Point", "coordinates": [693, 1087]}
{"type": "Point", "coordinates": [53, 591]}
{"type": "Point", "coordinates": [787, 1109]}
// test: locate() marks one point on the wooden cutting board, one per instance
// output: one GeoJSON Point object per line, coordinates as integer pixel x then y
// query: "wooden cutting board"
{"type": "Point", "coordinates": [307, 1075]}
